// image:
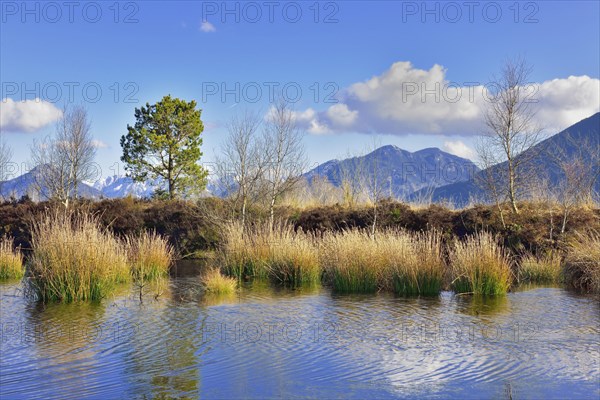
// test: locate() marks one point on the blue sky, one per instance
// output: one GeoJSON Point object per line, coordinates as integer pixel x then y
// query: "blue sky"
{"type": "Point", "coordinates": [364, 52]}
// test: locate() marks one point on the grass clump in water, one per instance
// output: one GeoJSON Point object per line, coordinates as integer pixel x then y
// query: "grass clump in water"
{"type": "Point", "coordinates": [417, 263]}
{"type": "Point", "coordinates": [281, 254]}
{"type": "Point", "coordinates": [74, 259]}
{"type": "Point", "coordinates": [149, 255]}
{"type": "Point", "coordinates": [294, 259]}
{"type": "Point", "coordinates": [408, 264]}
{"type": "Point", "coordinates": [545, 269]}
{"type": "Point", "coordinates": [11, 260]}
{"type": "Point", "coordinates": [480, 266]}
{"type": "Point", "coordinates": [246, 251]}
{"type": "Point", "coordinates": [582, 262]}
{"type": "Point", "coordinates": [351, 262]}
{"type": "Point", "coordinates": [216, 283]}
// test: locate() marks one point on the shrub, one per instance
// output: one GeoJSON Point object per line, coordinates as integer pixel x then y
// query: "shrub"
{"type": "Point", "coordinates": [480, 266]}
{"type": "Point", "coordinates": [11, 260]}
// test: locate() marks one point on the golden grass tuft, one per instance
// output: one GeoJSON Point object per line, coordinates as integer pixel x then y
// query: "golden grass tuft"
{"type": "Point", "coordinates": [246, 252]}
{"type": "Point", "coordinates": [419, 268]}
{"type": "Point", "coordinates": [480, 266]}
{"type": "Point", "coordinates": [544, 269]}
{"type": "Point", "coordinates": [281, 254]}
{"type": "Point", "coordinates": [351, 262]}
{"type": "Point", "coordinates": [293, 259]}
{"type": "Point", "coordinates": [74, 259]}
{"type": "Point", "coordinates": [149, 255]}
{"type": "Point", "coordinates": [216, 283]}
{"type": "Point", "coordinates": [11, 260]}
{"type": "Point", "coordinates": [582, 262]}
{"type": "Point", "coordinates": [408, 264]}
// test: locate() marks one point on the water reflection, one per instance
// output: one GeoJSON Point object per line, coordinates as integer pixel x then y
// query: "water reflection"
{"type": "Point", "coordinates": [265, 341]}
{"type": "Point", "coordinates": [482, 306]}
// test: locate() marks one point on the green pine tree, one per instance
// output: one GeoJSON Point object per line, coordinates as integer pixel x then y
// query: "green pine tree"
{"type": "Point", "coordinates": [165, 143]}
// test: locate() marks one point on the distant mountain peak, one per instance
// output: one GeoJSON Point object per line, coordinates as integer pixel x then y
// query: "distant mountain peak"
{"type": "Point", "coordinates": [400, 171]}
{"type": "Point", "coordinates": [563, 144]}
{"type": "Point", "coordinates": [428, 150]}
{"type": "Point", "coordinates": [117, 186]}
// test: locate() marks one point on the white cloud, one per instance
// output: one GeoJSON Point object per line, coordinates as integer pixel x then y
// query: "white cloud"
{"type": "Point", "coordinates": [340, 115]}
{"type": "Point", "coordinates": [99, 144]}
{"type": "Point", "coordinates": [27, 115]}
{"type": "Point", "coordinates": [562, 102]}
{"type": "Point", "coordinates": [458, 148]}
{"type": "Point", "coordinates": [307, 119]}
{"type": "Point", "coordinates": [207, 27]}
{"type": "Point", "coordinates": [406, 100]}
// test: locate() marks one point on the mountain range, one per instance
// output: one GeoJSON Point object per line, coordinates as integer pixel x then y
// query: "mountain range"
{"type": "Point", "coordinates": [111, 187]}
{"type": "Point", "coordinates": [428, 173]}
{"type": "Point", "coordinates": [581, 140]}
{"type": "Point", "coordinates": [399, 172]}
{"type": "Point", "coordinates": [122, 186]}
{"type": "Point", "coordinates": [27, 184]}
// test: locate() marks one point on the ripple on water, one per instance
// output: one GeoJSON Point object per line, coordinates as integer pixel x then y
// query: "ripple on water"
{"type": "Point", "coordinates": [266, 342]}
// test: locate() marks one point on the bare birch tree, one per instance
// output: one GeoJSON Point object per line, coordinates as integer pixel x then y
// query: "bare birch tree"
{"type": "Point", "coordinates": [75, 134]}
{"type": "Point", "coordinates": [286, 159]}
{"type": "Point", "coordinates": [511, 132]}
{"type": "Point", "coordinates": [244, 159]}
{"type": "Point", "coordinates": [578, 173]}
{"type": "Point", "coordinates": [349, 178]}
{"type": "Point", "coordinates": [489, 179]}
{"type": "Point", "coordinates": [373, 183]}
{"type": "Point", "coordinates": [5, 158]}
{"type": "Point", "coordinates": [51, 170]}
{"type": "Point", "coordinates": [65, 159]}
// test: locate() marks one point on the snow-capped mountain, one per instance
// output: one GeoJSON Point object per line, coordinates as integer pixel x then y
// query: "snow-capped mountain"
{"type": "Point", "coordinates": [31, 184]}
{"type": "Point", "coordinates": [117, 186]}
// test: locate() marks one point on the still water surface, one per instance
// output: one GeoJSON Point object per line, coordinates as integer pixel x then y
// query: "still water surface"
{"type": "Point", "coordinates": [272, 343]}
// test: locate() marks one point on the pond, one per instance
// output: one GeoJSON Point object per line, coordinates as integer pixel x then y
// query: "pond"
{"type": "Point", "coordinates": [266, 342]}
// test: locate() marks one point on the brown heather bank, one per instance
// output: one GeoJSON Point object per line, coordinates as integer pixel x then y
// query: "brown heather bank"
{"type": "Point", "coordinates": [535, 229]}
{"type": "Point", "coordinates": [190, 227]}
{"type": "Point", "coordinates": [194, 227]}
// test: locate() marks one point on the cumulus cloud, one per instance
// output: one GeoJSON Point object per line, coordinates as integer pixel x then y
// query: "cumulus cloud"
{"type": "Point", "coordinates": [340, 115]}
{"type": "Point", "coordinates": [407, 100]}
{"type": "Point", "coordinates": [207, 27]}
{"type": "Point", "coordinates": [458, 148]}
{"type": "Point", "coordinates": [562, 102]}
{"type": "Point", "coordinates": [307, 119]}
{"type": "Point", "coordinates": [27, 115]}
